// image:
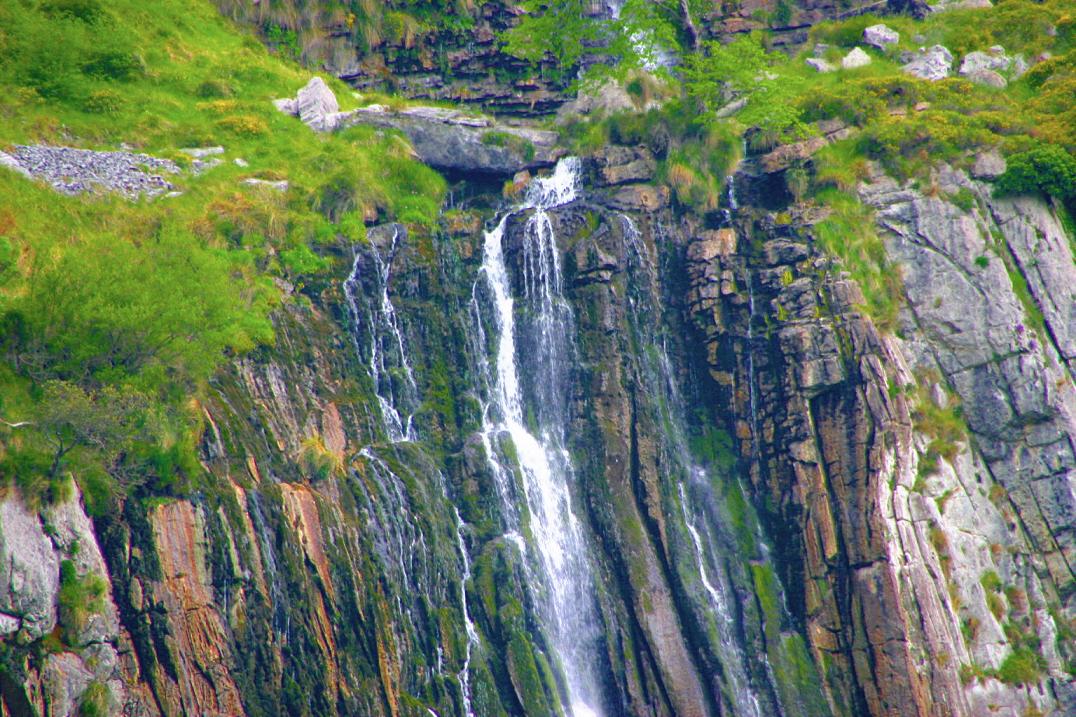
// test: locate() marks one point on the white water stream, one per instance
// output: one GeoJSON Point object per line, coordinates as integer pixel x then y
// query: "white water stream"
{"type": "Point", "coordinates": [386, 354]}
{"type": "Point", "coordinates": [527, 403]}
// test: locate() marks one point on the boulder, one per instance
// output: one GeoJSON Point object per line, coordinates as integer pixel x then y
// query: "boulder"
{"type": "Point", "coordinates": [880, 36]}
{"type": "Point", "coordinates": [856, 58]}
{"type": "Point", "coordinates": [995, 61]}
{"type": "Point", "coordinates": [279, 185]}
{"type": "Point", "coordinates": [820, 65]}
{"type": "Point", "coordinates": [287, 105]}
{"type": "Point", "coordinates": [931, 64]}
{"type": "Point", "coordinates": [988, 165]}
{"type": "Point", "coordinates": [988, 78]}
{"type": "Point", "coordinates": [317, 105]}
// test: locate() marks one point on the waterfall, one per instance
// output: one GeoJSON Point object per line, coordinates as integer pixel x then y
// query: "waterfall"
{"type": "Point", "coordinates": [472, 632]}
{"type": "Point", "coordinates": [693, 488]}
{"type": "Point", "coordinates": [527, 402]}
{"type": "Point", "coordinates": [386, 355]}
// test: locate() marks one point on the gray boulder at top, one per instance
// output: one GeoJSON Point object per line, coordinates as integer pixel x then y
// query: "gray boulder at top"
{"type": "Point", "coordinates": [29, 572]}
{"type": "Point", "coordinates": [454, 142]}
{"type": "Point", "coordinates": [931, 64]}
{"type": "Point", "coordinates": [856, 58]}
{"type": "Point", "coordinates": [880, 36]}
{"type": "Point", "coordinates": [988, 78]}
{"type": "Point", "coordinates": [996, 61]}
{"type": "Point", "coordinates": [316, 105]}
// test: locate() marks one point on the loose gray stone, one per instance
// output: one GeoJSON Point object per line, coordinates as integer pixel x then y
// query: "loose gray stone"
{"type": "Point", "coordinates": [280, 186]}
{"type": "Point", "coordinates": [316, 104]}
{"type": "Point", "coordinates": [74, 171]}
{"type": "Point", "coordinates": [880, 36]}
{"type": "Point", "coordinates": [931, 64]}
{"type": "Point", "coordinates": [820, 64]}
{"type": "Point", "coordinates": [856, 58]}
{"type": "Point", "coordinates": [202, 152]}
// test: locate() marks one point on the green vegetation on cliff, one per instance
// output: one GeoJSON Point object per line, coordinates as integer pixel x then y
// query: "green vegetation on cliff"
{"type": "Point", "coordinates": [116, 313]}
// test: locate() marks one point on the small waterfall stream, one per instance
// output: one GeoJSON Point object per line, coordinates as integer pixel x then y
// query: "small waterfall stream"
{"type": "Point", "coordinates": [385, 357]}
{"type": "Point", "coordinates": [526, 402]}
{"type": "Point", "coordinates": [694, 487]}
{"type": "Point", "coordinates": [472, 632]}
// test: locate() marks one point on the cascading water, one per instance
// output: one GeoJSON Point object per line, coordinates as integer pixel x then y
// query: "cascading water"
{"type": "Point", "coordinates": [694, 488]}
{"type": "Point", "coordinates": [386, 354]}
{"type": "Point", "coordinates": [526, 402]}
{"type": "Point", "coordinates": [472, 632]}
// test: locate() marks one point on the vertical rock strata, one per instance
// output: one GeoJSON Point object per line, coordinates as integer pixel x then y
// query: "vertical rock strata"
{"type": "Point", "coordinates": [316, 569]}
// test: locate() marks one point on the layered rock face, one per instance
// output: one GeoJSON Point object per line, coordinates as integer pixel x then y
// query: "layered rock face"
{"type": "Point", "coordinates": [779, 515]}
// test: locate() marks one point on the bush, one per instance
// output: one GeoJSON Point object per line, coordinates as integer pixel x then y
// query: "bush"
{"type": "Point", "coordinates": [79, 598]}
{"type": "Point", "coordinates": [244, 125]}
{"type": "Point", "coordinates": [116, 65]}
{"type": "Point", "coordinates": [103, 102]}
{"type": "Point", "coordinates": [1021, 667]}
{"type": "Point", "coordinates": [1047, 169]}
{"type": "Point", "coordinates": [87, 11]}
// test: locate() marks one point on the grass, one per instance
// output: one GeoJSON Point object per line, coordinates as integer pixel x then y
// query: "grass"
{"type": "Point", "coordinates": [849, 234]}
{"type": "Point", "coordinates": [169, 289]}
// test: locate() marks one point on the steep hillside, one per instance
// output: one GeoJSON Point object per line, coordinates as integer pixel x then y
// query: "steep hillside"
{"type": "Point", "coordinates": [742, 386]}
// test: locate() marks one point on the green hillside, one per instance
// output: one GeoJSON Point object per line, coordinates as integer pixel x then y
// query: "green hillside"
{"type": "Point", "coordinates": [115, 313]}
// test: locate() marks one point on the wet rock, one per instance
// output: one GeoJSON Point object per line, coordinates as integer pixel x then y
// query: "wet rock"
{"type": "Point", "coordinates": [856, 58]}
{"type": "Point", "coordinates": [930, 64]}
{"type": "Point", "coordinates": [880, 36]}
{"type": "Point", "coordinates": [788, 154]}
{"type": "Point", "coordinates": [641, 197]}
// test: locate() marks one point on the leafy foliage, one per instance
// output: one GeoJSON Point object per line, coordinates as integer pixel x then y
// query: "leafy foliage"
{"type": "Point", "coordinates": [1047, 169]}
{"type": "Point", "coordinates": [743, 69]}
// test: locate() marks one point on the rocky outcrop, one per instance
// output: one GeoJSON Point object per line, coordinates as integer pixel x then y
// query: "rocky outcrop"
{"type": "Point", "coordinates": [454, 142]}
{"type": "Point", "coordinates": [43, 561]}
{"type": "Point", "coordinates": [931, 64]}
{"type": "Point", "coordinates": [448, 140]}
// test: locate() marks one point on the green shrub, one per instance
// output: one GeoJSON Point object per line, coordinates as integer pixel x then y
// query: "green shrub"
{"type": "Point", "coordinates": [1047, 169]}
{"type": "Point", "coordinates": [95, 701]}
{"type": "Point", "coordinates": [87, 11]}
{"type": "Point", "coordinates": [79, 598]}
{"type": "Point", "coordinates": [302, 261]}
{"type": "Point", "coordinates": [103, 102]}
{"type": "Point", "coordinates": [1021, 667]}
{"type": "Point", "coordinates": [116, 65]}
